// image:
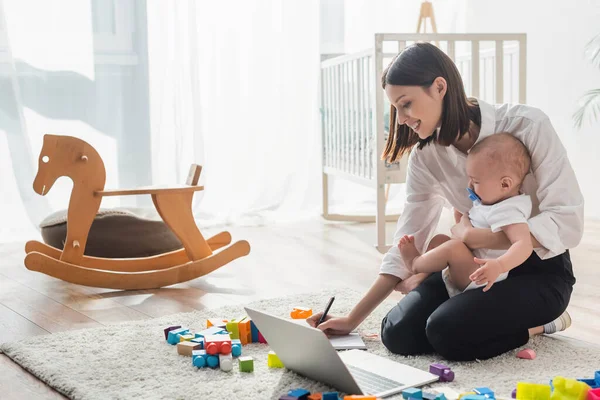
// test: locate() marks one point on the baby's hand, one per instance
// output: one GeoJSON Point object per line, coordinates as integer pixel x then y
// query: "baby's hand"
{"type": "Point", "coordinates": [489, 272]}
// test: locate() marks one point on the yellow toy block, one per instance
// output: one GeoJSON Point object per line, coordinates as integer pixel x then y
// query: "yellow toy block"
{"type": "Point", "coordinates": [186, 348]}
{"type": "Point", "coordinates": [533, 391]}
{"type": "Point", "coordinates": [186, 338]}
{"type": "Point", "coordinates": [234, 329]}
{"type": "Point", "coordinates": [301, 313]}
{"type": "Point", "coordinates": [273, 361]}
{"type": "Point", "coordinates": [568, 389]}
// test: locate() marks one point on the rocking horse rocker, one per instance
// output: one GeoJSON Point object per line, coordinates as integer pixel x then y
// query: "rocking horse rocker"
{"type": "Point", "coordinates": [73, 157]}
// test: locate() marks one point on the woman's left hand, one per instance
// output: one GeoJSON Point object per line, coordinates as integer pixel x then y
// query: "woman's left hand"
{"type": "Point", "coordinates": [459, 231]}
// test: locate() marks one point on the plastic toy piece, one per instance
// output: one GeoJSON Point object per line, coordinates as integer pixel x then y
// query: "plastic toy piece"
{"type": "Point", "coordinates": [412, 393]}
{"type": "Point", "coordinates": [593, 383]}
{"type": "Point", "coordinates": [301, 313]}
{"type": "Point", "coordinates": [225, 362]}
{"type": "Point", "coordinates": [533, 391]}
{"type": "Point", "coordinates": [212, 361]}
{"type": "Point", "coordinates": [315, 396]}
{"type": "Point", "coordinates": [236, 347]}
{"type": "Point", "coordinates": [171, 328]}
{"type": "Point", "coordinates": [513, 395]}
{"type": "Point", "coordinates": [273, 361]}
{"type": "Point", "coordinates": [527, 354]}
{"type": "Point", "coordinates": [485, 391]}
{"type": "Point", "coordinates": [186, 348]}
{"type": "Point", "coordinates": [300, 394]}
{"type": "Point", "coordinates": [444, 372]}
{"type": "Point", "coordinates": [254, 330]}
{"type": "Point", "coordinates": [213, 330]}
{"type": "Point", "coordinates": [594, 394]}
{"type": "Point", "coordinates": [173, 337]}
{"type": "Point", "coordinates": [568, 389]}
{"type": "Point", "coordinates": [217, 344]}
{"type": "Point", "coordinates": [199, 358]}
{"type": "Point", "coordinates": [245, 331]}
{"type": "Point", "coordinates": [75, 158]}
{"type": "Point", "coordinates": [330, 396]}
{"type": "Point", "coordinates": [246, 364]}
{"type": "Point", "coordinates": [219, 323]}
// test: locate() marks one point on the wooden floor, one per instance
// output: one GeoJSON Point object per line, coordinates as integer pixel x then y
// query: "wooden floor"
{"type": "Point", "coordinates": [284, 259]}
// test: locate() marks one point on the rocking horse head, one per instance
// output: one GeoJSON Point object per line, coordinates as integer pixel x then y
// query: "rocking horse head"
{"type": "Point", "coordinates": [71, 157]}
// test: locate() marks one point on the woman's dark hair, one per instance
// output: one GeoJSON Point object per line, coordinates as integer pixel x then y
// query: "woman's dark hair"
{"type": "Point", "coordinates": [419, 65]}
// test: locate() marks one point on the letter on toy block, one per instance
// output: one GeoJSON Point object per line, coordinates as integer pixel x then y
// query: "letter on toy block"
{"type": "Point", "coordinates": [301, 313]}
{"type": "Point", "coordinates": [246, 364]}
{"type": "Point", "coordinates": [236, 347]}
{"type": "Point", "coordinates": [186, 348]}
{"type": "Point", "coordinates": [565, 388]}
{"type": "Point", "coordinates": [273, 361]}
{"type": "Point", "coordinates": [217, 344]}
{"type": "Point", "coordinates": [245, 331]}
{"type": "Point", "coordinates": [533, 391]}
{"type": "Point", "coordinates": [254, 332]}
{"type": "Point", "coordinates": [171, 328]}
{"type": "Point", "coordinates": [226, 362]}
{"type": "Point", "coordinates": [412, 393]}
{"type": "Point", "coordinates": [300, 394]}
{"type": "Point", "coordinates": [173, 337]}
{"type": "Point", "coordinates": [218, 322]}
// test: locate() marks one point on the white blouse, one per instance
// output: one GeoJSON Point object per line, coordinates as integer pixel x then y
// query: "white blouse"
{"type": "Point", "coordinates": [437, 174]}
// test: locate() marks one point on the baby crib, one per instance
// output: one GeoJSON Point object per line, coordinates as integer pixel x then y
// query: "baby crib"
{"type": "Point", "coordinates": [355, 110]}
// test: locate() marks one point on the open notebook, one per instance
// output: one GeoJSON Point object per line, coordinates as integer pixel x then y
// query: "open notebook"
{"type": "Point", "coordinates": [346, 342]}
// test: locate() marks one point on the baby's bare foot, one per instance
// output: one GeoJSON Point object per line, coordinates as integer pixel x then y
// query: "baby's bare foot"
{"type": "Point", "coordinates": [408, 251]}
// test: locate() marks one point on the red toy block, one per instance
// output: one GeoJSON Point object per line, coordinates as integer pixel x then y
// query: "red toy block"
{"type": "Point", "coordinates": [527, 354]}
{"type": "Point", "coordinates": [217, 344]}
{"type": "Point", "coordinates": [261, 338]}
{"type": "Point", "coordinates": [594, 394]}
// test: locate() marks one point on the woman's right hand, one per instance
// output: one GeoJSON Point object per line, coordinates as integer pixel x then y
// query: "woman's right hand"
{"type": "Point", "coordinates": [332, 325]}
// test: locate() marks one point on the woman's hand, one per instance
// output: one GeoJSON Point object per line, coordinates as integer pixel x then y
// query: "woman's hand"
{"type": "Point", "coordinates": [460, 230]}
{"type": "Point", "coordinates": [332, 325]}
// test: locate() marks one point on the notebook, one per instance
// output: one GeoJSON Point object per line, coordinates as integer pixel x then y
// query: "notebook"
{"type": "Point", "coordinates": [345, 342]}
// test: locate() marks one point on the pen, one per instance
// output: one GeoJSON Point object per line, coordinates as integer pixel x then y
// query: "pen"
{"type": "Point", "coordinates": [326, 311]}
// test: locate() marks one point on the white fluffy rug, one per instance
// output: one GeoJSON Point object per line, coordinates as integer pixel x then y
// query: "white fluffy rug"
{"type": "Point", "coordinates": [132, 360]}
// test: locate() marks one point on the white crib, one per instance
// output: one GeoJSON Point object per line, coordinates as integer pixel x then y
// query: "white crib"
{"type": "Point", "coordinates": [355, 110]}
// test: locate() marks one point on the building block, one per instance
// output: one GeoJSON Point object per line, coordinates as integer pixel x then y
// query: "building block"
{"type": "Point", "coordinates": [212, 361]}
{"type": "Point", "coordinates": [593, 383]}
{"type": "Point", "coordinates": [474, 397]}
{"type": "Point", "coordinates": [413, 393]}
{"type": "Point", "coordinates": [428, 396]}
{"type": "Point", "coordinates": [568, 389]}
{"type": "Point", "coordinates": [246, 364]}
{"type": "Point", "coordinates": [463, 395]}
{"type": "Point", "coordinates": [315, 396]}
{"type": "Point", "coordinates": [218, 322]}
{"type": "Point", "coordinates": [300, 394]}
{"type": "Point", "coordinates": [444, 372]}
{"type": "Point", "coordinates": [356, 397]}
{"type": "Point", "coordinates": [170, 328]}
{"type": "Point", "coordinates": [233, 328]}
{"type": "Point", "coordinates": [440, 396]}
{"type": "Point", "coordinates": [254, 332]}
{"type": "Point", "coordinates": [173, 337]}
{"type": "Point", "coordinates": [301, 313]}
{"type": "Point", "coordinates": [217, 344]}
{"type": "Point", "coordinates": [533, 391]}
{"type": "Point", "coordinates": [513, 394]}
{"type": "Point", "coordinates": [199, 358]}
{"type": "Point", "coordinates": [226, 362]}
{"type": "Point", "coordinates": [527, 354]}
{"type": "Point", "coordinates": [330, 396]}
{"type": "Point", "coordinates": [186, 348]}
{"type": "Point", "coordinates": [261, 338]}
{"type": "Point", "coordinates": [485, 391]}
{"type": "Point", "coordinates": [286, 397]}
{"type": "Point", "coordinates": [236, 347]}
{"type": "Point", "coordinates": [273, 361]}
{"type": "Point", "coordinates": [594, 394]}
{"type": "Point", "coordinates": [186, 337]}
{"type": "Point", "coordinates": [198, 340]}
{"type": "Point", "coordinates": [213, 330]}
{"type": "Point", "coordinates": [245, 331]}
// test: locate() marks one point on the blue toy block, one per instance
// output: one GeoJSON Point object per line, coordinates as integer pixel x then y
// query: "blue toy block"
{"type": "Point", "coordinates": [236, 347]}
{"type": "Point", "coordinates": [485, 391]}
{"type": "Point", "coordinates": [474, 397]}
{"type": "Point", "coordinates": [200, 341]}
{"type": "Point", "coordinates": [254, 331]}
{"type": "Point", "coordinates": [330, 396]}
{"type": "Point", "coordinates": [440, 396]}
{"type": "Point", "coordinates": [300, 394]}
{"type": "Point", "coordinates": [429, 396]}
{"type": "Point", "coordinates": [199, 358]}
{"type": "Point", "coordinates": [412, 393]}
{"type": "Point", "coordinates": [212, 361]}
{"type": "Point", "coordinates": [173, 337]}
{"type": "Point", "coordinates": [592, 383]}
{"type": "Point", "coordinates": [213, 330]}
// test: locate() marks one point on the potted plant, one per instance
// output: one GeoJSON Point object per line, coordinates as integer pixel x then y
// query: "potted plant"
{"type": "Point", "coordinates": [590, 102]}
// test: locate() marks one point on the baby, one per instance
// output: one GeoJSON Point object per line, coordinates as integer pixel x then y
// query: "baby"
{"type": "Point", "coordinates": [496, 167]}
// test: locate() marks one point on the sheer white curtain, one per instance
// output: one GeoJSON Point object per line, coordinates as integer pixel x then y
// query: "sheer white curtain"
{"type": "Point", "coordinates": [156, 86]}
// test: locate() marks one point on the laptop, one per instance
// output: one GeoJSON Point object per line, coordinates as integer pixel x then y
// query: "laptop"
{"type": "Point", "coordinates": [308, 352]}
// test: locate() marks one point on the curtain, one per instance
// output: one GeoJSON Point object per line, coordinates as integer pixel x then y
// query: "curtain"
{"type": "Point", "coordinates": [158, 85]}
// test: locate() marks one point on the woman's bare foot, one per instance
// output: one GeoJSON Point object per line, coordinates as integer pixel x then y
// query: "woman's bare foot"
{"type": "Point", "coordinates": [408, 251]}
{"type": "Point", "coordinates": [410, 283]}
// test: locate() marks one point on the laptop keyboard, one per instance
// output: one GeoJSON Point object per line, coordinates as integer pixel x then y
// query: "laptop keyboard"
{"type": "Point", "coordinates": [370, 382]}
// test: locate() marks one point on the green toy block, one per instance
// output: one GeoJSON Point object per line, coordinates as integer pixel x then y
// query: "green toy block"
{"type": "Point", "coordinates": [246, 364]}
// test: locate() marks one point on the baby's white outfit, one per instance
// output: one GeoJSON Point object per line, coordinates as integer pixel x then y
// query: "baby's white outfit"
{"type": "Point", "coordinates": [514, 210]}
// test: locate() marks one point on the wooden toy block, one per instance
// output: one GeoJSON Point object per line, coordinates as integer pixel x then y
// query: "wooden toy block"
{"type": "Point", "coordinates": [568, 389]}
{"type": "Point", "coordinates": [173, 337]}
{"type": "Point", "coordinates": [226, 362]}
{"type": "Point", "coordinates": [213, 330]}
{"type": "Point", "coordinates": [245, 331]}
{"type": "Point", "coordinates": [219, 323]}
{"type": "Point", "coordinates": [200, 341]}
{"type": "Point", "coordinates": [199, 358]}
{"type": "Point", "coordinates": [315, 396]}
{"type": "Point", "coordinates": [261, 338]}
{"type": "Point", "coordinates": [186, 338]}
{"type": "Point", "coordinates": [233, 328]}
{"type": "Point", "coordinates": [300, 394]}
{"type": "Point", "coordinates": [273, 361]}
{"type": "Point", "coordinates": [533, 391]}
{"type": "Point", "coordinates": [330, 396]}
{"type": "Point", "coordinates": [412, 393]}
{"type": "Point", "coordinates": [217, 344]}
{"type": "Point", "coordinates": [186, 348]}
{"type": "Point", "coordinates": [444, 372]}
{"type": "Point", "coordinates": [236, 347]}
{"type": "Point", "coordinates": [527, 354]}
{"type": "Point", "coordinates": [485, 391]}
{"type": "Point", "coordinates": [594, 394]}
{"type": "Point", "coordinates": [171, 328]}
{"type": "Point", "coordinates": [246, 364]}
{"type": "Point", "coordinates": [301, 313]}
{"type": "Point", "coordinates": [254, 332]}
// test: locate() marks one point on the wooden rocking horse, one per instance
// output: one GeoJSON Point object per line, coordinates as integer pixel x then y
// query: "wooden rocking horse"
{"type": "Point", "coordinates": [73, 157]}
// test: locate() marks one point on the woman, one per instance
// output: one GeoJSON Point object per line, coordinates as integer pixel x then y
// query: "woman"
{"type": "Point", "coordinates": [431, 112]}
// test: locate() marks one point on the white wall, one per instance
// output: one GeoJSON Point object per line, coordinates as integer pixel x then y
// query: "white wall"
{"type": "Point", "coordinates": [557, 72]}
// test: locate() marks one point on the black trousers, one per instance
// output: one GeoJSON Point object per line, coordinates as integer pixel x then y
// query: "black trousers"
{"type": "Point", "coordinates": [477, 324]}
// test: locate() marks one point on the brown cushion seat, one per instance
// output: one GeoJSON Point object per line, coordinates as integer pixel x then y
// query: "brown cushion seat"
{"type": "Point", "coordinates": [116, 233]}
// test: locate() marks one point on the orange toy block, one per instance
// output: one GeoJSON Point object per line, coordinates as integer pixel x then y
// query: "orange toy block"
{"type": "Point", "coordinates": [219, 323]}
{"type": "Point", "coordinates": [301, 313]}
{"type": "Point", "coordinates": [245, 331]}
{"type": "Point", "coordinates": [217, 344]}
{"type": "Point", "coordinates": [315, 396]}
{"type": "Point", "coordinates": [186, 348]}
{"type": "Point", "coordinates": [527, 354]}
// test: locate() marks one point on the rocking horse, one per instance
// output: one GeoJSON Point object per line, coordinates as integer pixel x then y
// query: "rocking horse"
{"type": "Point", "coordinates": [78, 160]}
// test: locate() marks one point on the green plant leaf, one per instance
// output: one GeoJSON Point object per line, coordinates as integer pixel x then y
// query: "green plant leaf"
{"type": "Point", "coordinates": [589, 107]}
{"type": "Point", "coordinates": [592, 50]}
